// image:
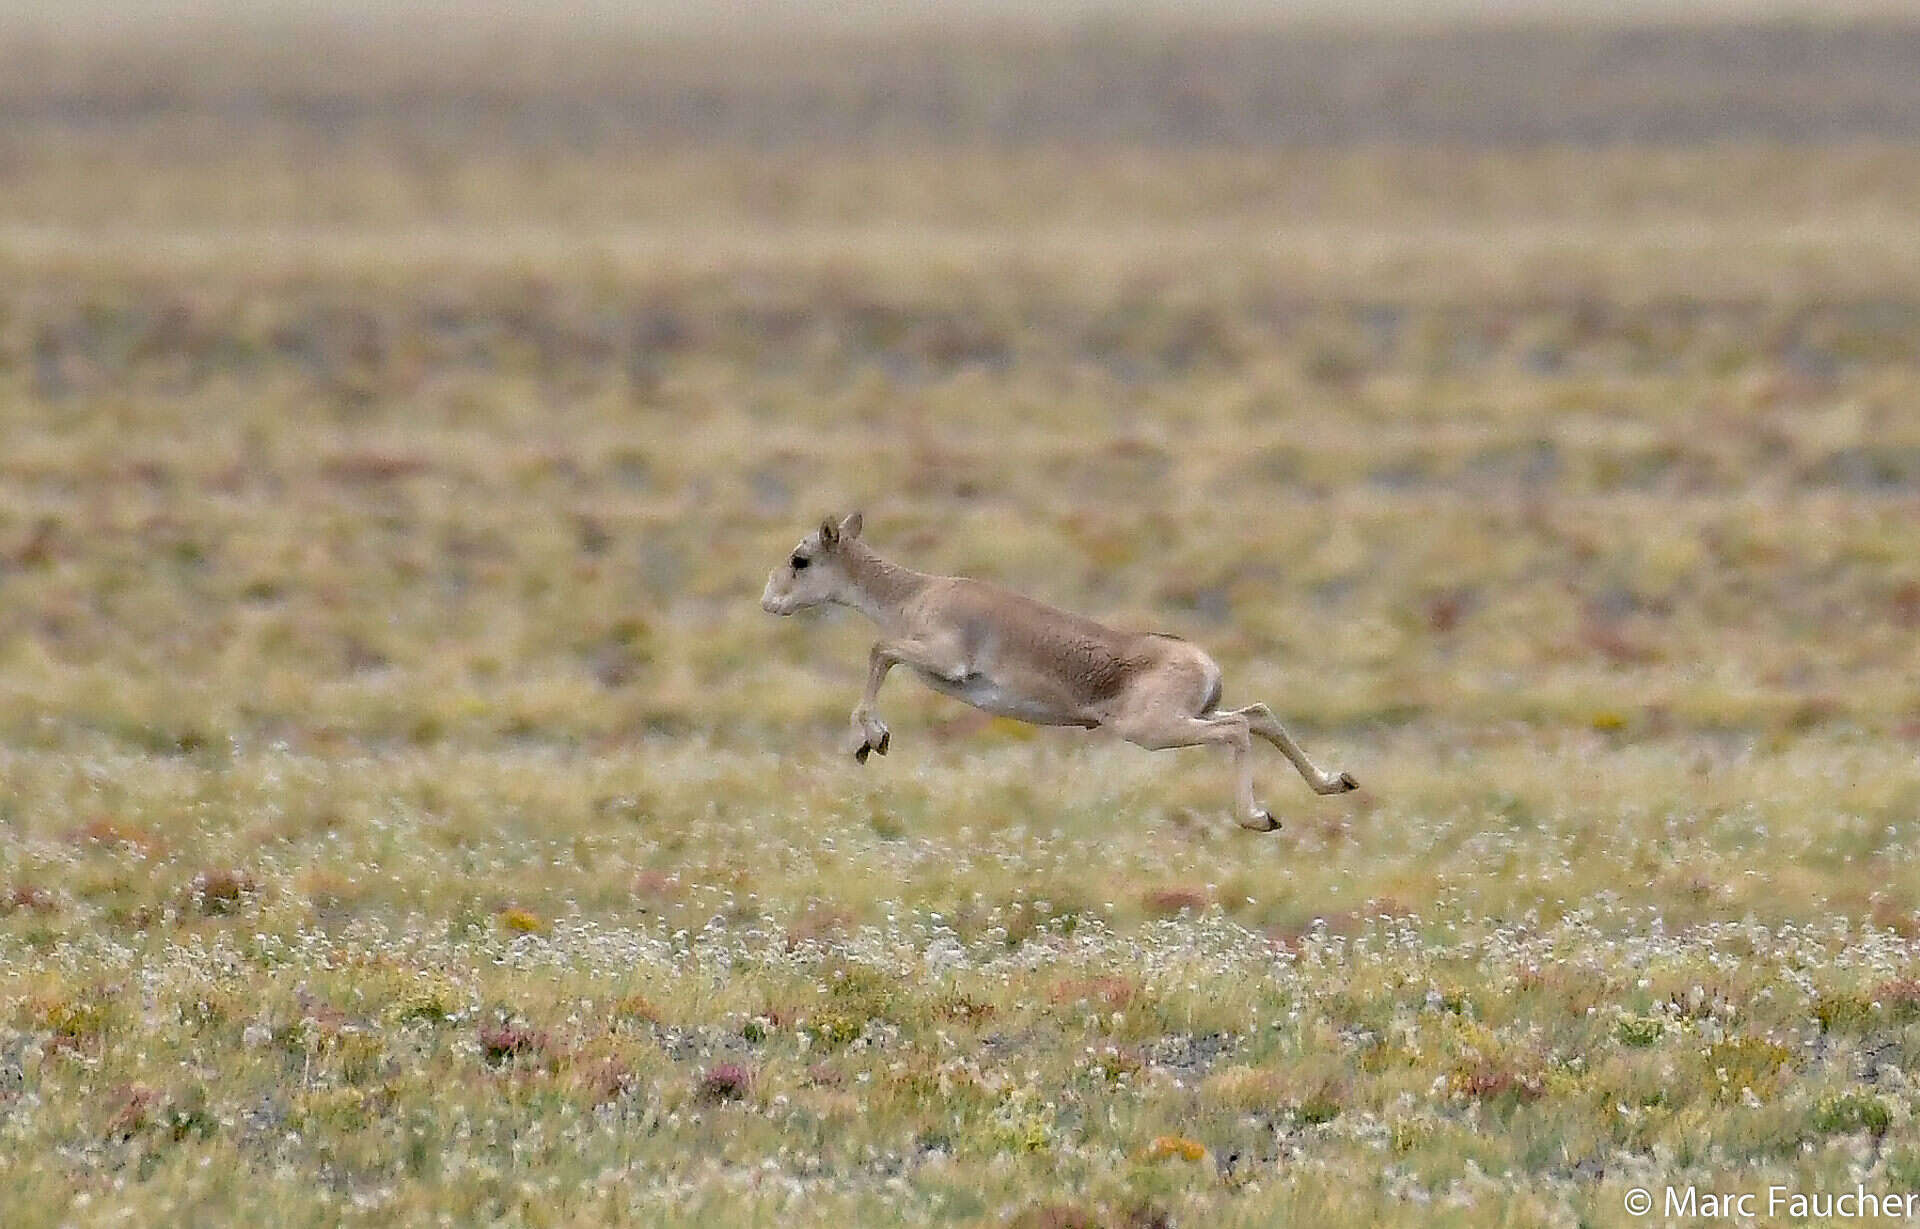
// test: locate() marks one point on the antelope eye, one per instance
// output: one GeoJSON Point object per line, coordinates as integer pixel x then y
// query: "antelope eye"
{"type": "Point", "coordinates": [799, 562]}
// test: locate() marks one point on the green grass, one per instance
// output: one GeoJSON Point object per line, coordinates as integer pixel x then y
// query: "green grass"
{"type": "Point", "coordinates": [680, 982]}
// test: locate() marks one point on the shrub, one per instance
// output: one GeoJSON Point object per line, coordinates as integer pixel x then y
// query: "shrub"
{"type": "Point", "coordinates": [1639, 1032]}
{"type": "Point", "coordinates": [1842, 1011]}
{"type": "Point", "coordinates": [500, 1042]}
{"type": "Point", "coordinates": [1843, 1113]}
{"type": "Point", "coordinates": [1745, 1063]}
{"type": "Point", "coordinates": [220, 892]}
{"type": "Point", "coordinates": [1489, 1082]}
{"type": "Point", "coordinates": [1901, 996]}
{"type": "Point", "coordinates": [725, 1082]}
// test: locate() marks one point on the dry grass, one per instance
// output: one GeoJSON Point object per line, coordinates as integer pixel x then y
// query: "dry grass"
{"type": "Point", "coordinates": [408, 813]}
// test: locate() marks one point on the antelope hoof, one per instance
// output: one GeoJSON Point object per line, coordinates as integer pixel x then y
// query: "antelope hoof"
{"type": "Point", "coordinates": [1342, 784]}
{"type": "Point", "coordinates": [1261, 820]}
{"type": "Point", "coordinates": [870, 735]}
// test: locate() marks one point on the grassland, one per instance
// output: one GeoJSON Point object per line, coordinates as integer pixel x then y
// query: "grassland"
{"type": "Point", "coordinates": [408, 816]}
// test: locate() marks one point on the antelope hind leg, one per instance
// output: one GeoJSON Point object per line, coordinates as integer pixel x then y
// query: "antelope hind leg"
{"type": "Point", "coordinates": [1261, 721]}
{"type": "Point", "coordinates": [1158, 732]}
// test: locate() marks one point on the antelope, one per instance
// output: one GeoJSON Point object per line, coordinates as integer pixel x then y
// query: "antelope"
{"type": "Point", "coordinates": [1012, 656]}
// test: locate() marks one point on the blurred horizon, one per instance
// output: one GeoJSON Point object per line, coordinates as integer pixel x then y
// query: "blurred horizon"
{"type": "Point", "coordinates": [707, 15]}
{"type": "Point", "coordinates": [527, 82]}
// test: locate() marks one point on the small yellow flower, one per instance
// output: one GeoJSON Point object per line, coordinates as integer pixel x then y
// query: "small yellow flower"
{"type": "Point", "coordinates": [1180, 1146]}
{"type": "Point", "coordinates": [522, 921]}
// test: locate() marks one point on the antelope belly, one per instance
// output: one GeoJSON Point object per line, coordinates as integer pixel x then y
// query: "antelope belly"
{"type": "Point", "coordinates": [988, 696]}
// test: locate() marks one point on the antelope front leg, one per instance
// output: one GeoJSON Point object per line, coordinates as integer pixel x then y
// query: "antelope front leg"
{"type": "Point", "coordinates": [870, 734]}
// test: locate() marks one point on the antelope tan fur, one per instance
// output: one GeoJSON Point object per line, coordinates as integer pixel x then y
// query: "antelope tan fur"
{"type": "Point", "coordinates": [1014, 657]}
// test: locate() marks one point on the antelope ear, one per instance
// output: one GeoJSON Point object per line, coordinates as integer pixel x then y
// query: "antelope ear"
{"type": "Point", "coordinates": [850, 528]}
{"type": "Point", "coordinates": [829, 536]}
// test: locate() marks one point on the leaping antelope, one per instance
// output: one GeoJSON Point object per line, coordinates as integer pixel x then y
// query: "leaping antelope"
{"type": "Point", "coordinates": [1014, 657]}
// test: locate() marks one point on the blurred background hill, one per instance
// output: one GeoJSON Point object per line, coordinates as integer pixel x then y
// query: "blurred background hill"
{"type": "Point", "coordinates": [402, 374]}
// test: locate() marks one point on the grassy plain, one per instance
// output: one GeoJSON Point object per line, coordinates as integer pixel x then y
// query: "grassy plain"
{"type": "Point", "coordinates": [408, 816]}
